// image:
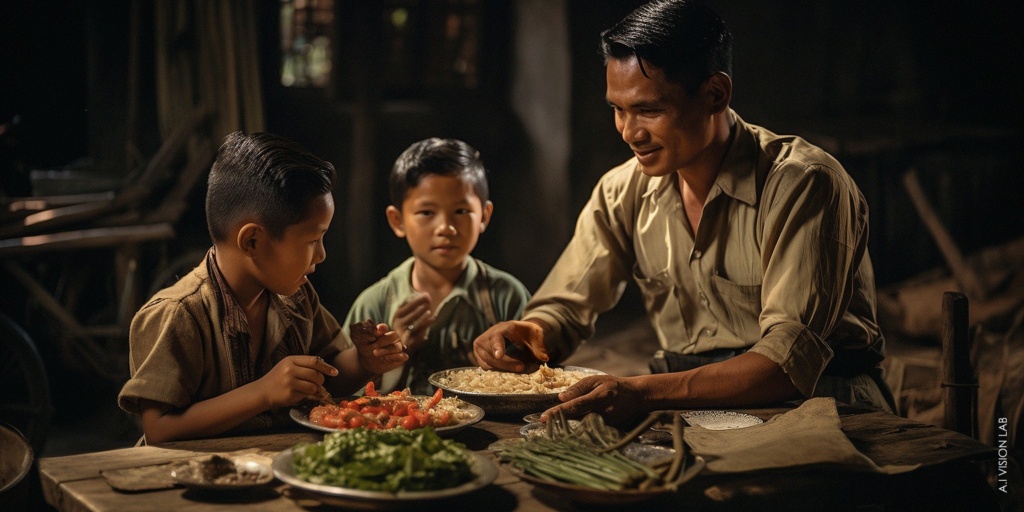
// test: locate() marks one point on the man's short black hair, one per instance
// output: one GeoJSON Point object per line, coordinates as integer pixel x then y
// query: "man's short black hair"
{"type": "Point", "coordinates": [684, 38]}
{"type": "Point", "coordinates": [266, 178]}
{"type": "Point", "coordinates": [446, 157]}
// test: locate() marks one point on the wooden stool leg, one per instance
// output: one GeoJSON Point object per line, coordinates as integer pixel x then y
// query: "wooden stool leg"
{"type": "Point", "coordinates": [959, 386]}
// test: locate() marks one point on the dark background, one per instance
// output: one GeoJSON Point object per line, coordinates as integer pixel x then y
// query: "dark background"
{"type": "Point", "coordinates": [885, 86]}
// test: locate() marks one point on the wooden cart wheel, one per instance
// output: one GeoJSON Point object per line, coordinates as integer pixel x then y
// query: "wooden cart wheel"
{"type": "Point", "coordinates": [24, 386]}
{"type": "Point", "coordinates": [174, 270]}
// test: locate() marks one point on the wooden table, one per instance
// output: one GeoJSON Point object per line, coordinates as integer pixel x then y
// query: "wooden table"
{"type": "Point", "coordinates": [949, 476]}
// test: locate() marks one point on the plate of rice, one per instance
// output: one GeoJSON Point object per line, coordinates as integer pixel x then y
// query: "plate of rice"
{"type": "Point", "coordinates": [510, 394]}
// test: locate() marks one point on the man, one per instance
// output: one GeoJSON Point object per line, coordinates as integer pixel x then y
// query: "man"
{"type": "Point", "coordinates": [750, 248]}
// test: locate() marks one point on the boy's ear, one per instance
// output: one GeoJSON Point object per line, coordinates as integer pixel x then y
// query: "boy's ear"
{"type": "Point", "coordinates": [249, 237]}
{"type": "Point", "coordinates": [485, 218]}
{"type": "Point", "coordinates": [394, 216]}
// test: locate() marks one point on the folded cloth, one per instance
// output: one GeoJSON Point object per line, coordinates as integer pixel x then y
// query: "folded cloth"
{"type": "Point", "coordinates": [810, 435]}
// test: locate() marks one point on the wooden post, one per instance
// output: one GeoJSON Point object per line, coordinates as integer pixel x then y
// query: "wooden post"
{"type": "Point", "coordinates": [959, 387]}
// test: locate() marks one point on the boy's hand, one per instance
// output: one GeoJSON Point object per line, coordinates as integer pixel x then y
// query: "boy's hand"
{"type": "Point", "coordinates": [514, 346]}
{"type": "Point", "coordinates": [293, 379]}
{"type": "Point", "coordinates": [412, 320]}
{"type": "Point", "coordinates": [380, 349]}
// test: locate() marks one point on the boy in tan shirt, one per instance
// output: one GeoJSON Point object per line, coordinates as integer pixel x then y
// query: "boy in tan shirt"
{"type": "Point", "coordinates": [243, 336]}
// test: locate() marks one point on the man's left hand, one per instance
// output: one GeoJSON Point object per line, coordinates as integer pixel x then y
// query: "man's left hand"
{"type": "Point", "coordinates": [616, 398]}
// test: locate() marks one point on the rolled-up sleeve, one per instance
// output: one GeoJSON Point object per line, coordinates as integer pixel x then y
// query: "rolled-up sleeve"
{"type": "Point", "coordinates": [591, 274]}
{"type": "Point", "coordinates": [813, 239]}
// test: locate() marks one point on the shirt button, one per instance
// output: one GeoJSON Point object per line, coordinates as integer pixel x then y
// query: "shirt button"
{"type": "Point", "coordinates": [697, 254]}
{"type": "Point", "coordinates": [708, 332]}
{"type": "Point", "coordinates": [703, 298]}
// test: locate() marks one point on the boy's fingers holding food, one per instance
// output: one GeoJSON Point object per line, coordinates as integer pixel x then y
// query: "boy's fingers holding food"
{"type": "Point", "coordinates": [321, 366]}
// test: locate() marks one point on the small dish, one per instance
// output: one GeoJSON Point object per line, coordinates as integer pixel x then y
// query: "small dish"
{"type": "Point", "coordinates": [539, 429]}
{"type": "Point", "coordinates": [532, 417]}
{"type": "Point", "coordinates": [721, 420]}
{"type": "Point", "coordinates": [218, 473]}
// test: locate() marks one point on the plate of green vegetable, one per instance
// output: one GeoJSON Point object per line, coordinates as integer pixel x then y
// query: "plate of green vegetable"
{"type": "Point", "coordinates": [590, 462]}
{"type": "Point", "coordinates": [383, 468]}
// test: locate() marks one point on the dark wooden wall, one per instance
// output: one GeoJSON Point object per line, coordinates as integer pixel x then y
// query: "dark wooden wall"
{"type": "Point", "coordinates": [885, 85]}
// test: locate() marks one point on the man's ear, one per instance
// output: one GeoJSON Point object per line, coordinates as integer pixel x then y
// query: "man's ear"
{"type": "Point", "coordinates": [394, 216]}
{"type": "Point", "coordinates": [485, 218]}
{"type": "Point", "coordinates": [718, 91]}
{"type": "Point", "coordinates": [249, 238]}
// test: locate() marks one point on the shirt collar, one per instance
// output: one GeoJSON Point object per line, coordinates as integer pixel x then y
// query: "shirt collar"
{"type": "Point", "coordinates": [737, 177]}
{"type": "Point", "coordinates": [466, 283]}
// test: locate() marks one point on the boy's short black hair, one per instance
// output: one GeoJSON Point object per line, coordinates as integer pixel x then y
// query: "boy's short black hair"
{"type": "Point", "coordinates": [446, 157]}
{"type": "Point", "coordinates": [684, 38]}
{"type": "Point", "coordinates": [264, 177]}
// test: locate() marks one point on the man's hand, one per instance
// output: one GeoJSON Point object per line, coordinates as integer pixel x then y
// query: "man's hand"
{"type": "Point", "coordinates": [293, 379]}
{"type": "Point", "coordinates": [412, 319]}
{"type": "Point", "coordinates": [525, 353]}
{"type": "Point", "coordinates": [380, 349]}
{"type": "Point", "coordinates": [615, 398]}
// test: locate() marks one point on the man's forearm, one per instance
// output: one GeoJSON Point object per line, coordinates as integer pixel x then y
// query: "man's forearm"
{"type": "Point", "coordinates": [745, 380]}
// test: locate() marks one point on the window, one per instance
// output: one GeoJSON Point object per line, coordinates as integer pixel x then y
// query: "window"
{"type": "Point", "coordinates": [307, 39]}
{"type": "Point", "coordinates": [431, 44]}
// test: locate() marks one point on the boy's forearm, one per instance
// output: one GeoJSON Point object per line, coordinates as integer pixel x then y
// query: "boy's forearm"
{"type": "Point", "coordinates": [203, 419]}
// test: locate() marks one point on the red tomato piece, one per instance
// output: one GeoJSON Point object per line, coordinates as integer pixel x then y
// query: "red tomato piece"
{"type": "Point", "coordinates": [410, 423]}
{"type": "Point", "coordinates": [438, 395]}
{"type": "Point", "coordinates": [442, 418]}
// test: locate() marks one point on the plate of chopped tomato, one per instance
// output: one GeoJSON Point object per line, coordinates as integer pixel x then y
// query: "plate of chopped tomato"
{"type": "Point", "coordinates": [398, 409]}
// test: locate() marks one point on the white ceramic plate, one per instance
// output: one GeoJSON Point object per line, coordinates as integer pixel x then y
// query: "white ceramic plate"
{"type": "Point", "coordinates": [721, 420]}
{"type": "Point", "coordinates": [484, 470]}
{"type": "Point", "coordinates": [190, 475]}
{"type": "Point", "coordinates": [300, 414]}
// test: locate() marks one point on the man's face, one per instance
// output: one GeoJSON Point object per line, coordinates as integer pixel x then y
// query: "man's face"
{"type": "Point", "coordinates": [666, 128]}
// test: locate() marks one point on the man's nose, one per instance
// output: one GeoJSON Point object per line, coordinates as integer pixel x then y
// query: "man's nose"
{"type": "Point", "coordinates": [631, 131]}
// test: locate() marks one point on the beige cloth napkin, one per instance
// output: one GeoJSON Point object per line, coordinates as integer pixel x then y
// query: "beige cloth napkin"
{"type": "Point", "coordinates": [809, 435]}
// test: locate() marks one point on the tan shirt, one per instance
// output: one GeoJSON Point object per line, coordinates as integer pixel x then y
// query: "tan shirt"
{"type": "Point", "coordinates": [190, 342]}
{"type": "Point", "coordinates": [779, 263]}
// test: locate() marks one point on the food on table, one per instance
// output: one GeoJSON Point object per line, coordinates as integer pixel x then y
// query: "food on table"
{"type": "Point", "coordinates": [544, 380]}
{"type": "Point", "coordinates": [219, 470]}
{"type": "Point", "coordinates": [383, 460]}
{"type": "Point", "coordinates": [589, 454]}
{"type": "Point", "coordinates": [398, 409]}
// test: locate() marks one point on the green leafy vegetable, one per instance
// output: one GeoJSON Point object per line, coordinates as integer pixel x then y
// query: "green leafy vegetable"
{"type": "Point", "coordinates": [383, 460]}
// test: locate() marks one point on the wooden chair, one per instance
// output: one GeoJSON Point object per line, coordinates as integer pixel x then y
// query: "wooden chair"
{"type": "Point", "coordinates": [112, 227]}
{"type": "Point", "coordinates": [959, 384]}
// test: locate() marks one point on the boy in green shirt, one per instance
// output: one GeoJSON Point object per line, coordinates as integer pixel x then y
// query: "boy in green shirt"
{"type": "Point", "coordinates": [441, 298]}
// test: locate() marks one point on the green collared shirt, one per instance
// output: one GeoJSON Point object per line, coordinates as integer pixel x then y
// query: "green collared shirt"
{"type": "Point", "coordinates": [191, 342]}
{"type": "Point", "coordinates": [779, 264]}
{"type": "Point", "coordinates": [461, 317]}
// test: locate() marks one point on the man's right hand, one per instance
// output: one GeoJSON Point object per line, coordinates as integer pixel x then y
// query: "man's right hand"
{"type": "Point", "coordinates": [528, 337]}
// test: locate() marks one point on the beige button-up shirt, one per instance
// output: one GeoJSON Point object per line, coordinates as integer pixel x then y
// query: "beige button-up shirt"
{"type": "Point", "coordinates": [191, 342]}
{"type": "Point", "coordinates": [779, 263]}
